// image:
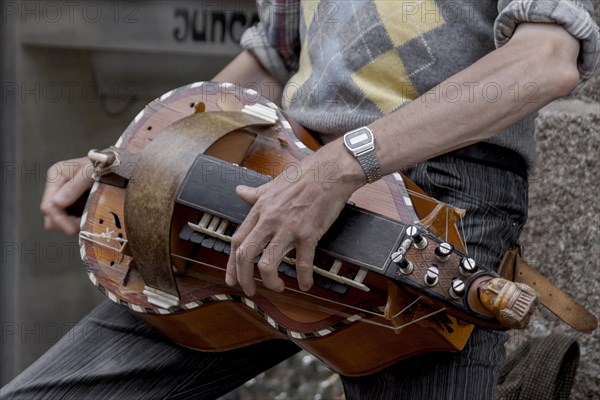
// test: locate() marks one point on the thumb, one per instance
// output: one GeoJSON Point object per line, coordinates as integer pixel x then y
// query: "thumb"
{"type": "Point", "coordinates": [248, 194]}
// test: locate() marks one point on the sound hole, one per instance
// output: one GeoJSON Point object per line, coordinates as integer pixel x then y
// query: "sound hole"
{"type": "Point", "coordinates": [117, 220]}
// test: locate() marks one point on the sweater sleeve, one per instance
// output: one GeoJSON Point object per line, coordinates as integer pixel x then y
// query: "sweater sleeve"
{"type": "Point", "coordinates": [275, 40]}
{"type": "Point", "coordinates": [574, 15]}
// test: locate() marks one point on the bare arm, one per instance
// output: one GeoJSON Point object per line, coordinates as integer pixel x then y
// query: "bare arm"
{"type": "Point", "coordinates": [544, 54]}
{"type": "Point", "coordinates": [246, 71]}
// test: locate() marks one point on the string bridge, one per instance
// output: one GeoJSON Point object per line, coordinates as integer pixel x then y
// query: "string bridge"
{"type": "Point", "coordinates": [216, 233]}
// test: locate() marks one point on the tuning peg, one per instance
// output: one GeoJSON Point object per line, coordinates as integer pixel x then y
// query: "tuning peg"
{"type": "Point", "coordinates": [431, 277]}
{"type": "Point", "coordinates": [406, 267]}
{"type": "Point", "coordinates": [418, 239]}
{"type": "Point", "coordinates": [467, 266]}
{"type": "Point", "coordinates": [443, 251]}
{"type": "Point", "coordinates": [457, 290]}
{"type": "Point", "coordinates": [102, 158]}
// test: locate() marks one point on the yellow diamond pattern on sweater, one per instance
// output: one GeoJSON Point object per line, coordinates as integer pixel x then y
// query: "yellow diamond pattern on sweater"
{"type": "Point", "coordinates": [384, 80]}
{"type": "Point", "coordinates": [309, 8]}
{"type": "Point", "coordinates": [407, 20]}
{"type": "Point", "coordinates": [385, 83]}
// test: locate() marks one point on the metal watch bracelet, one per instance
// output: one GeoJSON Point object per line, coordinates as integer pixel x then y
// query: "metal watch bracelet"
{"type": "Point", "coordinates": [370, 165]}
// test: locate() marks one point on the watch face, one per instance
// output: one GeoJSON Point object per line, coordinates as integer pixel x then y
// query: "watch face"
{"type": "Point", "coordinates": [358, 139]}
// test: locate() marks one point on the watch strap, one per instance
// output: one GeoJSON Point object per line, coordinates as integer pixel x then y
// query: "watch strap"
{"type": "Point", "coordinates": [370, 165]}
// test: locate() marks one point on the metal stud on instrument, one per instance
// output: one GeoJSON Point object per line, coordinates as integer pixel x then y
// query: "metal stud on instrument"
{"type": "Point", "coordinates": [405, 266]}
{"type": "Point", "coordinates": [431, 277]}
{"type": "Point", "coordinates": [443, 251]}
{"type": "Point", "coordinates": [457, 290]}
{"type": "Point", "coordinates": [418, 239]}
{"type": "Point", "coordinates": [467, 266]}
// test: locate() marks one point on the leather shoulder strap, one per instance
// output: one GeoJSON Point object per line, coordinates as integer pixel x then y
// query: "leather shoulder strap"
{"type": "Point", "coordinates": [514, 268]}
{"type": "Point", "coordinates": [151, 192]}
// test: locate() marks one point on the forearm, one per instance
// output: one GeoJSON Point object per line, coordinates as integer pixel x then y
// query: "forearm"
{"type": "Point", "coordinates": [246, 71]}
{"type": "Point", "coordinates": [542, 56]}
{"type": "Point", "coordinates": [535, 67]}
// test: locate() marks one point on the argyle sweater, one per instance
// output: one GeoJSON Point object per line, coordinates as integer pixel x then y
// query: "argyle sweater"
{"type": "Point", "coordinates": [346, 63]}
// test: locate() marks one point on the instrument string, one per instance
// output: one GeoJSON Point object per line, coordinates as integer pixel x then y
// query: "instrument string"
{"type": "Point", "coordinates": [447, 221]}
{"type": "Point", "coordinates": [432, 200]}
{"type": "Point", "coordinates": [415, 301]}
{"type": "Point", "coordinates": [287, 288]}
{"type": "Point", "coordinates": [358, 309]}
{"type": "Point", "coordinates": [422, 196]}
{"type": "Point", "coordinates": [462, 233]}
{"type": "Point", "coordinates": [414, 321]}
{"type": "Point", "coordinates": [91, 237]}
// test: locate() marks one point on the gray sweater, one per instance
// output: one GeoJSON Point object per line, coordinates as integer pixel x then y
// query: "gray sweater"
{"type": "Point", "coordinates": [346, 63]}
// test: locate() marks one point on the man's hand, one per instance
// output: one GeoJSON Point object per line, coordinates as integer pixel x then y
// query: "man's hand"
{"type": "Point", "coordinates": [292, 211]}
{"type": "Point", "coordinates": [66, 181]}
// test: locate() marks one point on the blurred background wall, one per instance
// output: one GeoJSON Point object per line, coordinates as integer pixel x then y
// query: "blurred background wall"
{"type": "Point", "coordinates": [74, 74]}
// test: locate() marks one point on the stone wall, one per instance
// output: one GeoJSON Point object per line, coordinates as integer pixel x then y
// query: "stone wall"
{"type": "Point", "coordinates": [562, 236]}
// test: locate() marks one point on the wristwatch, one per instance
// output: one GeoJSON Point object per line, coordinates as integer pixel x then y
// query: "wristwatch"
{"type": "Point", "coordinates": [361, 144]}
